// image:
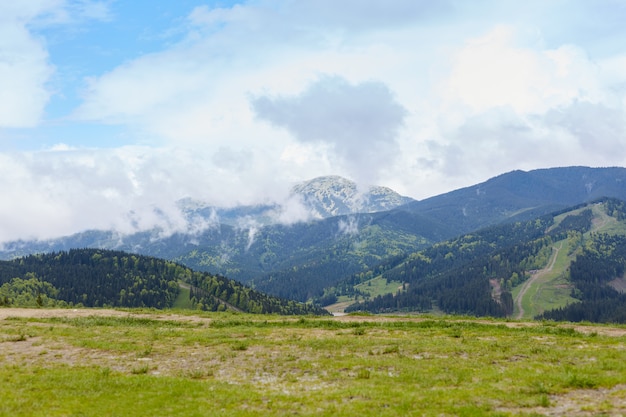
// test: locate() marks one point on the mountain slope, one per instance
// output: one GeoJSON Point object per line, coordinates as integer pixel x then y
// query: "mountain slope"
{"type": "Point", "coordinates": [98, 278]}
{"type": "Point", "coordinates": [520, 195]}
{"type": "Point", "coordinates": [477, 273]}
{"type": "Point", "coordinates": [335, 247]}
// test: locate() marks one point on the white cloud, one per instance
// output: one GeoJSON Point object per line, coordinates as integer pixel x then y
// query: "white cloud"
{"type": "Point", "coordinates": [360, 122]}
{"type": "Point", "coordinates": [65, 190]}
{"type": "Point", "coordinates": [24, 66]}
{"type": "Point", "coordinates": [508, 102]}
{"type": "Point", "coordinates": [492, 71]}
{"type": "Point", "coordinates": [349, 226]}
{"type": "Point", "coordinates": [420, 96]}
{"type": "Point", "coordinates": [292, 210]}
{"type": "Point", "coordinates": [138, 89]}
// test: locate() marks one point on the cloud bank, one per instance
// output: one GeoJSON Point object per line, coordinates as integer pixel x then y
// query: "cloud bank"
{"type": "Point", "coordinates": [234, 104]}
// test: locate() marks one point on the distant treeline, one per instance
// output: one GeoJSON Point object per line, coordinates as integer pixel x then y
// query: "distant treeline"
{"type": "Point", "coordinates": [104, 278]}
{"type": "Point", "coordinates": [214, 293]}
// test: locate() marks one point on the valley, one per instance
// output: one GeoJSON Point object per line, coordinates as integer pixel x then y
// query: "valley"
{"type": "Point", "coordinates": [384, 253]}
{"type": "Point", "coordinates": [422, 325]}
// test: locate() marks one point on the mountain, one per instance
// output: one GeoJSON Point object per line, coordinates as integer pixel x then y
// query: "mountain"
{"type": "Point", "coordinates": [319, 198]}
{"type": "Point", "coordinates": [335, 196]}
{"type": "Point", "coordinates": [574, 261]}
{"type": "Point", "coordinates": [245, 215]}
{"type": "Point", "coordinates": [520, 195]}
{"type": "Point", "coordinates": [306, 260]}
{"type": "Point", "coordinates": [246, 244]}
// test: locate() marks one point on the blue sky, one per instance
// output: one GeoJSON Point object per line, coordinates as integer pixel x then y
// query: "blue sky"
{"type": "Point", "coordinates": [113, 111]}
{"type": "Point", "coordinates": [95, 42]}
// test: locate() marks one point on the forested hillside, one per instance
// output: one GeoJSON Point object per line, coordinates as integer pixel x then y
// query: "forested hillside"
{"type": "Point", "coordinates": [99, 278]}
{"type": "Point", "coordinates": [313, 267]}
{"type": "Point", "coordinates": [598, 276]}
{"type": "Point", "coordinates": [454, 275]}
{"type": "Point", "coordinates": [475, 274]}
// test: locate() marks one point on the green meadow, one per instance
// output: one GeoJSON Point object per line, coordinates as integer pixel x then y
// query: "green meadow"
{"type": "Point", "coordinates": [379, 286]}
{"type": "Point", "coordinates": [155, 363]}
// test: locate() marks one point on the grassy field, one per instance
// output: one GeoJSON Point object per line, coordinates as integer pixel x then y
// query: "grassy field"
{"type": "Point", "coordinates": [373, 288]}
{"type": "Point", "coordinates": [379, 286]}
{"type": "Point", "coordinates": [113, 363]}
{"type": "Point", "coordinates": [606, 224]}
{"type": "Point", "coordinates": [183, 301]}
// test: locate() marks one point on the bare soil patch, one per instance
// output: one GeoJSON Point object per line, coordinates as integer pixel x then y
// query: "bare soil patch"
{"type": "Point", "coordinates": [337, 309]}
{"type": "Point", "coordinates": [92, 312]}
{"type": "Point", "coordinates": [496, 289]}
{"type": "Point", "coordinates": [581, 403]}
{"type": "Point", "coordinates": [619, 284]}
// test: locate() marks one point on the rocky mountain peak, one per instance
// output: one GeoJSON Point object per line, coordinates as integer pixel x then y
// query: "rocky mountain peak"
{"type": "Point", "coordinates": [334, 196]}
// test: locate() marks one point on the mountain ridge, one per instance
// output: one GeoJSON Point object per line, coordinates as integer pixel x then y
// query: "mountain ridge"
{"type": "Point", "coordinates": [300, 260]}
{"type": "Point", "coordinates": [318, 198]}
{"type": "Point", "coordinates": [522, 194]}
{"type": "Point", "coordinates": [332, 195]}
{"type": "Point", "coordinates": [304, 261]}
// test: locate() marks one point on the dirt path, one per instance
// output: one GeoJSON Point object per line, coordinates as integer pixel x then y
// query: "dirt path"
{"type": "Point", "coordinates": [7, 312]}
{"type": "Point", "coordinates": [529, 282]}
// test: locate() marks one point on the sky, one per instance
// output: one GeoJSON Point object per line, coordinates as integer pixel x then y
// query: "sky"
{"type": "Point", "coordinates": [113, 111]}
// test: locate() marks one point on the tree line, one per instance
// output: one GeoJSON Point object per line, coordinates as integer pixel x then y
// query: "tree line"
{"type": "Point", "coordinates": [98, 278]}
{"type": "Point", "coordinates": [105, 278]}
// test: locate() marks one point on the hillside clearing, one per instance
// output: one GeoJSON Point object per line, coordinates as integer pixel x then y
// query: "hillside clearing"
{"type": "Point", "coordinates": [542, 280]}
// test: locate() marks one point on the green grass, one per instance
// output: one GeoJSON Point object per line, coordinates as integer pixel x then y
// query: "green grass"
{"type": "Point", "coordinates": [554, 293]}
{"type": "Point", "coordinates": [552, 290]}
{"type": "Point", "coordinates": [603, 223]}
{"type": "Point", "coordinates": [154, 364]}
{"type": "Point", "coordinates": [379, 286]}
{"type": "Point", "coordinates": [373, 287]}
{"type": "Point", "coordinates": [182, 300]}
